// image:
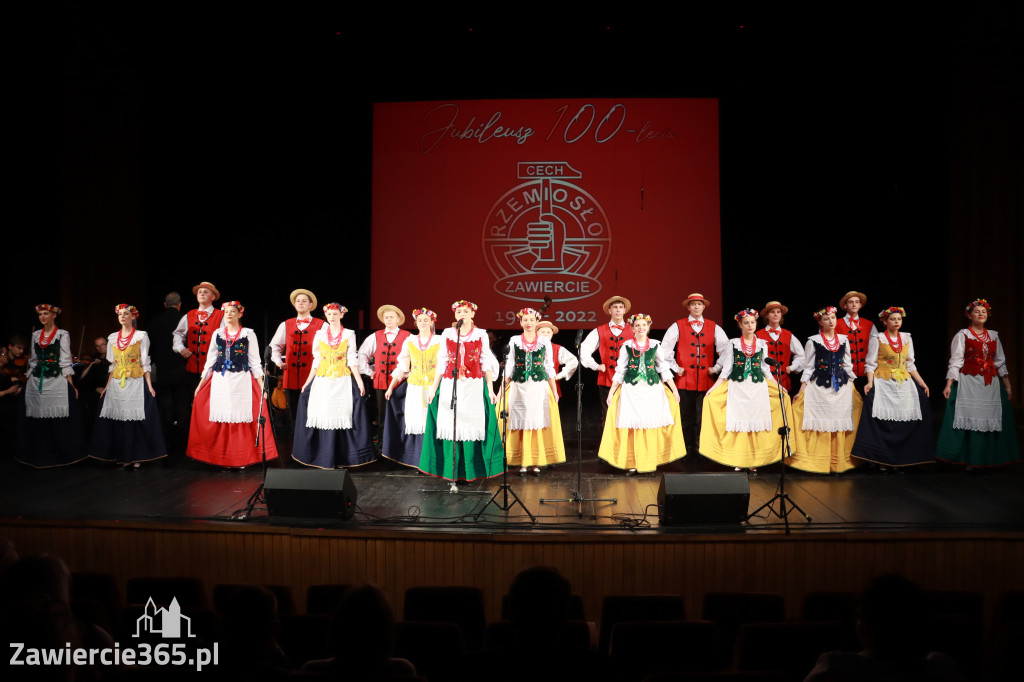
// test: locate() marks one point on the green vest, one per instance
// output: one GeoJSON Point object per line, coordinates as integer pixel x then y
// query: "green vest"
{"type": "Point", "coordinates": [743, 367]}
{"type": "Point", "coordinates": [529, 365]}
{"type": "Point", "coordinates": [641, 367]}
{"type": "Point", "coordinates": [49, 361]}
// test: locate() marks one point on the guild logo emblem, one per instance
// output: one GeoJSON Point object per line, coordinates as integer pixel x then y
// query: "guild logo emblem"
{"type": "Point", "coordinates": [547, 236]}
{"type": "Point", "coordinates": [167, 622]}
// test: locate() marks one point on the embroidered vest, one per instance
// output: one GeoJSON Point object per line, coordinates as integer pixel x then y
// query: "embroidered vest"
{"type": "Point", "coordinates": [469, 368]}
{"type": "Point", "coordinates": [48, 360]}
{"type": "Point", "coordinates": [828, 367]}
{"type": "Point", "coordinates": [333, 361]}
{"type": "Point", "coordinates": [298, 352]}
{"type": "Point", "coordinates": [197, 337]}
{"type": "Point", "coordinates": [641, 367]}
{"type": "Point", "coordinates": [695, 353]}
{"type": "Point", "coordinates": [609, 348]}
{"type": "Point", "coordinates": [781, 351]}
{"type": "Point", "coordinates": [422, 364]}
{"type": "Point", "coordinates": [234, 358]}
{"type": "Point", "coordinates": [385, 358]}
{"type": "Point", "coordinates": [979, 359]}
{"type": "Point", "coordinates": [127, 363]}
{"type": "Point", "coordinates": [529, 365]}
{"type": "Point", "coordinates": [858, 339]}
{"type": "Point", "coordinates": [892, 365]}
{"type": "Point", "coordinates": [743, 367]}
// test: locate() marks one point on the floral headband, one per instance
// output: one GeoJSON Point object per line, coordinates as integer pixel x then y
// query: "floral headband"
{"type": "Point", "coordinates": [236, 304]}
{"type": "Point", "coordinates": [463, 303]}
{"type": "Point", "coordinates": [47, 306]}
{"type": "Point", "coordinates": [424, 311]}
{"type": "Point", "coordinates": [890, 310]}
{"type": "Point", "coordinates": [818, 314]}
{"type": "Point", "coordinates": [528, 311]}
{"type": "Point", "coordinates": [747, 312]}
{"type": "Point", "coordinates": [124, 306]}
{"type": "Point", "coordinates": [335, 306]}
{"type": "Point", "coordinates": [638, 316]}
{"type": "Point", "coordinates": [977, 303]}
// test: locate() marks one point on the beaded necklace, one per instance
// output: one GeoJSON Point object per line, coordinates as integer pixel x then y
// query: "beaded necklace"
{"type": "Point", "coordinates": [45, 340]}
{"type": "Point", "coordinates": [897, 344]}
{"type": "Point", "coordinates": [127, 340]}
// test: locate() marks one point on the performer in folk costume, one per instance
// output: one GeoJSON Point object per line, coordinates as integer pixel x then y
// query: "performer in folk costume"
{"type": "Point", "coordinates": [641, 433]}
{"type": "Point", "coordinates": [407, 402]}
{"type": "Point", "coordinates": [292, 348]}
{"type": "Point", "coordinates": [128, 429]}
{"type": "Point", "coordinates": [476, 444]}
{"type": "Point", "coordinates": [50, 429]}
{"type": "Point", "coordinates": [691, 346]}
{"type": "Point", "coordinates": [564, 361]}
{"type": "Point", "coordinates": [896, 425]}
{"type": "Point", "coordinates": [534, 426]}
{"type": "Point", "coordinates": [332, 429]}
{"type": "Point", "coordinates": [826, 411]}
{"type": "Point", "coordinates": [194, 333]}
{"type": "Point", "coordinates": [858, 332]}
{"type": "Point", "coordinates": [742, 414]}
{"type": "Point", "coordinates": [978, 427]}
{"type": "Point", "coordinates": [607, 340]}
{"type": "Point", "coordinates": [783, 346]}
{"type": "Point", "coordinates": [378, 357]}
{"type": "Point", "coordinates": [227, 401]}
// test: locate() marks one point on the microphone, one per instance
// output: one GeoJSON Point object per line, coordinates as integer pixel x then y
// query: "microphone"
{"type": "Point", "coordinates": [458, 324]}
{"type": "Point", "coordinates": [579, 337]}
{"type": "Point", "coordinates": [267, 354]}
{"type": "Point", "coordinates": [771, 362]}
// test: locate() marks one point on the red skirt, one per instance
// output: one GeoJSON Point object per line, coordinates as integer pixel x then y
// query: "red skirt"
{"type": "Point", "coordinates": [227, 445]}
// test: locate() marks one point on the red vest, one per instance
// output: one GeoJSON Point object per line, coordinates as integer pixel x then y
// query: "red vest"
{"type": "Point", "coordinates": [470, 368]}
{"type": "Point", "coordinates": [298, 351]}
{"type": "Point", "coordinates": [976, 362]}
{"type": "Point", "coordinates": [858, 339]}
{"type": "Point", "coordinates": [695, 353]}
{"type": "Point", "coordinates": [385, 357]}
{"type": "Point", "coordinates": [556, 350]}
{"type": "Point", "coordinates": [608, 349]}
{"type": "Point", "coordinates": [781, 351]}
{"type": "Point", "coordinates": [198, 336]}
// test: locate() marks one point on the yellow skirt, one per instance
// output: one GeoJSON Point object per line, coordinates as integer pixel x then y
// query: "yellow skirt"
{"type": "Point", "coordinates": [823, 452]}
{"type": "Point", "coordinates": [739, 448]}
{"type": "Point", "coordinates": [537, 447]}
{"type": "Point", "coordinates": [641, 449]}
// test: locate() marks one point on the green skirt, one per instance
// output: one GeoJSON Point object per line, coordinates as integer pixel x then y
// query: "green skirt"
{"type": "Point", "coordinates": [978, 448]}
{"type": "Point", "coordinates": [476, 459]}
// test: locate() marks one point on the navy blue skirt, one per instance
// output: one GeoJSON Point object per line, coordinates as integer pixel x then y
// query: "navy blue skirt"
{"type": "Point", "coordinates": [330, 448]}
{"type": "Point", "coordinates": [129, 441]}
{"type": "Point", "coordinates": [896, 444]}
{"type": "Point", "coordinates": [399, 446]}
{"type": "Point", "coordinates": [53, 442]}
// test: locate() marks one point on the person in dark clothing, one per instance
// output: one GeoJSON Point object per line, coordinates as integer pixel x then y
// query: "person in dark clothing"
{"type": "Point", "coordinates": [173, 390]}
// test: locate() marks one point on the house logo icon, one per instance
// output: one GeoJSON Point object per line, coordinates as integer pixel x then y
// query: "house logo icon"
{"type": "Point", "coordinates": [167, 622]}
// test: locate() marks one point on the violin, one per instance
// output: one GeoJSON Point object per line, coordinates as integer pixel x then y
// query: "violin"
{"type": "Point", "coordinates": [277, 397]}
{"type": "Point", "coordinates": [15, 369]}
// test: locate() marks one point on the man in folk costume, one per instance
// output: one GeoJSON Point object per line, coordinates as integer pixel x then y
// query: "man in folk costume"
{"type": "Point", "coordinates": [378, 357]}
{"type": "Point", "coordinates": [292, 348]}
{"type": "Point", "coordinates": [783, 347]}
{"type": "Point", "coordinates": [692, 345]}
{"type": "Point", "coordinates": [858, 332]}
{"type": "Point", "coordinates": [565, 362]}
{"type": "Point", "coordinates": [607, 340]}
{"type": "Point", "coordinates": [194, 333]}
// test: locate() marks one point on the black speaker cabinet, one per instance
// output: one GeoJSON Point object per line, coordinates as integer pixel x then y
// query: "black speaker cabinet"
{"type": "Point", "coordinates": [310, 494]}
{"type": "Point", "coordinates": [703, 498]}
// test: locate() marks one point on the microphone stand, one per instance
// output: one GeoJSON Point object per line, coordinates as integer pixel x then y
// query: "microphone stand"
{"type": "Point", "coordinates": [577, 494]}
{"type": "Point", "coordinates": [258, 497]}
{"type": "Point", "coordinates": [781, 495]}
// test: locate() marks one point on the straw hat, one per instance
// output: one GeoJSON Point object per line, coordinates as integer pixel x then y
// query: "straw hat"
{"type": "Point", "coordinates": [385, 308]}
{"type": "Point", "coordinates": [695, 297]}
{"type": "Point", "coordinates": [863, 298]}
{"type": "Point", "coordinates": [771, 305]}
{"type": "Point", "coordinates": [307, 292]}
{"type": "Point", "coordinates": [606, 306]}
{"type": "Point", "coordinates": [206, 285]}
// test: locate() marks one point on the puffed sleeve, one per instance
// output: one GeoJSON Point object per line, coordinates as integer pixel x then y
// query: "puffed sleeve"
{"type": "Point", "coordinates": [798, 360]}
{"type": "Point", "coordinates": [404, 357]}
{"type": "Point", "coordinates": [366, 351]}
{"type": "Point", "coordinates": [510, 359]}
{"type": "Point", "coordinates": [549, 360]}
{"type": "Point", "coordinates": [956, 357]}
{"type": "Point", "coordinates": [352, 356]}
{"type": "Point", "coordinates": [724, 359]}
{"type": "Point", "coordinates": [668, 347]}
{"type": "Point", "coordinates": [569, 363]}
{"type": "Point", "coordinates": [620, 366]}
{"type": "Point", "coordinates": [488, 363]}
{"type": "Point", "coordinates": [847, 357]}
{"type": "Point", "coordinates": [911, 359]}
{"type": "Point", "coordinates": [587, 349]}
{"type": "Point", "coordinates": [809, 358]}
{"type": "Point", "coordinates": [762, 346]}
{"type": "Point", "coordinates": [661, 364]}
{"type": "Point", "coordinates": [65, 353]}
{"type": "Point", "coordinates": [111, 340]}
{"type": "Point", "coordinates": [871, 359]}
{"type": "Point", "coordinates": [442, 356]}
{"type": "Point", "coordinates": [321, 335]}
{"type": "Point", "coordinates": [147, 365]}
{"type": "Point", "coordinates": [1000, 358]}
{"type": "Point", "coordinates": [277, 344]}
{"type": "Point", "coordinates": [255, 361]}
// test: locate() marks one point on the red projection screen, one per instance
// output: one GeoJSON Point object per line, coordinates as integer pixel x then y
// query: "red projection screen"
{"type": "Point", "coordinates": [504, 202]}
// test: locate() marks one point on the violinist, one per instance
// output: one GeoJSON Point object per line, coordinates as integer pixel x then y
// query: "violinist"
{"type": "Point", "coordinates": [91, 381]}
{"type": "Point", "coordinates": [9, 390]}
{"type": "Point", "coordinates": [17, 361]}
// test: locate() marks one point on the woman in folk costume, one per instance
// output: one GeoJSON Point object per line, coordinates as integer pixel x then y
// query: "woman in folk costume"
{"type": "Point", "coordinates": [227, 400]}
{"type": "Point", "coordinates": [826, 411]}
{"type": "Point", "coordinates": [564, 361]}
{"type": "Point", "coordinates": [978, 429]}
{"type": "Point", "coordinates": [332, 429]}
{"type": "Point", "coordinates": [531, 399]}
{"type": "Point", "coordinates": [742, 415]}
{"type": "Point", "coordinates": [407, 403]}
{"type": "Point", "coordinates": [783, 346]}
{"type": "Point", "coordinates": [471, 449]}
{"type": "Point", "coordinates": [896, 423]}
{"type": "Point", "coordinates": [641, 431]}
{"type": "Point", "coordinates": [50, 422]}
{"type": "Point", "coordinates": [128, 430]}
